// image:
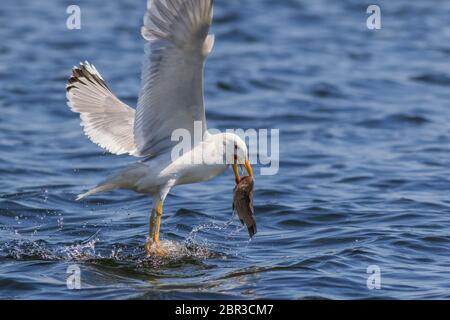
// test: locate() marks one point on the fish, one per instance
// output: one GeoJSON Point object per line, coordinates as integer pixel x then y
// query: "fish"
{"type": "Point", "coordinates": [243, 204]}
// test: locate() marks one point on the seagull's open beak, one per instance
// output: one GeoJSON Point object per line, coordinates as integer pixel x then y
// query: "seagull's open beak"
{"type": "Point", "coordinates": [247, 166]}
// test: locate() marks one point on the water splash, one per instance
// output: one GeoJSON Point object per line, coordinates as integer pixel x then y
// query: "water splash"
{"type": "Point", "coordinates": [41, 250]}
{"type": "Point", "coordinates": [177, 252]}
{"type": "Point", "coordinates": [92, 249]}
{"type": "Point", "coordinates": [79, 252]}
{"type": "Point", "coordinates": [230, 245]}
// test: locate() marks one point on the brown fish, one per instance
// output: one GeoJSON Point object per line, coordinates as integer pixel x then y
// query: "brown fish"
{"type": "Point", "coordinates": [243, 204]}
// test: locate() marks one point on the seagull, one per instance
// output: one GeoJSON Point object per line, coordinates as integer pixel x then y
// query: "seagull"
{"type": "Point", "coordinates": [177, 43]}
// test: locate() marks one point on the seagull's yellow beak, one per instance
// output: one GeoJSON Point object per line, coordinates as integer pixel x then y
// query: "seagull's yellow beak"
{"type": "Point", "coordinates": [247, 166]}
{"type": "Point", "coordinates": [236, 173]}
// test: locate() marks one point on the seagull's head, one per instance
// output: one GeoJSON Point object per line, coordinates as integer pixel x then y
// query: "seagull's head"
{"type": "Point", "coordinates": [236, 153]}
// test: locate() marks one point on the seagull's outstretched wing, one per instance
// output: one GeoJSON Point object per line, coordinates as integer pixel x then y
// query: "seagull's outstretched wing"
{"type": "Point", "coordinates": [171, 95]}
{"type": "Point", "coordinates": [106, 120]}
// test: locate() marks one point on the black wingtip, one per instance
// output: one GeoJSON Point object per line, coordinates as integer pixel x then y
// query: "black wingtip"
{"type": "Point", "coordinates": [84, 74]}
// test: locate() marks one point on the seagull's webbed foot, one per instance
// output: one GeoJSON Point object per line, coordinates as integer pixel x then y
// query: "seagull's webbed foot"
{"type": "Point", "coordinates": [154, 248]}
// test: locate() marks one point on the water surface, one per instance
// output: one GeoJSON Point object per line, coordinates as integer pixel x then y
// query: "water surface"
{"type": "Point", "coordinates": [364, 145]}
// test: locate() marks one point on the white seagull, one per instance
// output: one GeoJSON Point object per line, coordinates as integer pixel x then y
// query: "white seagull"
{"type": "Point", "coordinates": [171, 97]}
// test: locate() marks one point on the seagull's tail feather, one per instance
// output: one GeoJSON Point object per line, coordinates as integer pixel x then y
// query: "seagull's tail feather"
{"type": "Point", "coordinates": [124, 179]}
{"type": "Point", "coordinates": [98, 189]}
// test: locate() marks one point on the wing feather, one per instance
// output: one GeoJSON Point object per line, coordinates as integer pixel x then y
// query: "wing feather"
{"type": "Point", "coordinates": [106, 120]}
{"type": "Point", "coordinates": [171, 95]}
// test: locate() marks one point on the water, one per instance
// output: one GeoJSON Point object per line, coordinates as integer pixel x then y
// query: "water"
{"type": "Point", "coordinates": [364, 172]}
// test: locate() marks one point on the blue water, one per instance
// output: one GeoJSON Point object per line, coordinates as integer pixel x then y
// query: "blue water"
{"type": "Point", "coordinates": [364, 149]}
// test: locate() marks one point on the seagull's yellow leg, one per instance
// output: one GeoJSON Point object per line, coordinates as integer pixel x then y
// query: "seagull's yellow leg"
{"type": "Point", "coordinates": [151, 232]}
{"type": "Point", "coordinates": [155, 223]}
{"type": "Point", "coordinates": [159, 209]}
